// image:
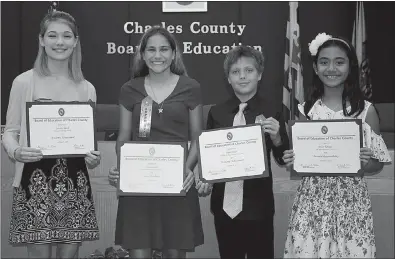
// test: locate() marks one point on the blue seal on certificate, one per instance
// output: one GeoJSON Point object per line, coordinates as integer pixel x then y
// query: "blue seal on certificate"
{"type": "Point", "coordinates": [61, 111]}
{"type": "Point", "coordinates": [324, 129]}
{"type": "Point", "coordinates": [152, 151]}
{"type": "Point", "coordinates": [229, 135]}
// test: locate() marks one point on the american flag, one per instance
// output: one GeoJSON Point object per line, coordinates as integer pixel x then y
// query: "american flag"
{"type": "Point", "coordinates": [293, 92]}
{"type": "Point", "coordinates": [359, 40]}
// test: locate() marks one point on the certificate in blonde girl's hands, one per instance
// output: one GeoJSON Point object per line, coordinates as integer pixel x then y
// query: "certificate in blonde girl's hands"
{"type": "Point", "coordinates": [61, 129]}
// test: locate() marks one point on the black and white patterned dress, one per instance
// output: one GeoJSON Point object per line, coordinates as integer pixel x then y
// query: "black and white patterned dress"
{"type": "Point", "coordinates": [331, 217]}
{"type": "Point", "coordinates": [53, 203]}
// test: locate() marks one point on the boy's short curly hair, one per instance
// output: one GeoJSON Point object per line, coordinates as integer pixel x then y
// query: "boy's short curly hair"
{"type": "Point", "coordinates": [243, 51]}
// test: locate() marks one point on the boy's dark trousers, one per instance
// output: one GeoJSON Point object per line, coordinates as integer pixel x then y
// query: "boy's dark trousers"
{"type": "Point", "coordinates": [237, 237]}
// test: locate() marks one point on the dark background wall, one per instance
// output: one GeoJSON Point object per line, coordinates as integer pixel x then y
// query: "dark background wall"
{"type": "Point", "coordinates": [103, 22]}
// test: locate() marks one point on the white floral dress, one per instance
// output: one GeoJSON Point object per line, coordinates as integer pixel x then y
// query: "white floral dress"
{"type": "Point", "coordinates": [331, 217]}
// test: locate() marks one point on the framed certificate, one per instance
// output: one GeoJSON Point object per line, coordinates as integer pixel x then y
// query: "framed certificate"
{"type": "Point", "coordinates": [61, 129]}
{"type": "Point", "coordinates": [230, 154]}
{"type": "Point", "coordinates": [151, 168]}
{"type": "Point", "coordinates": [326, 147]}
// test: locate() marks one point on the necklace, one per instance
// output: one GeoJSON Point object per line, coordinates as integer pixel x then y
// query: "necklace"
{"type": "Point", "coordinates": [334, 110]}
{"type": "Point", "coordinates": [160, 109]}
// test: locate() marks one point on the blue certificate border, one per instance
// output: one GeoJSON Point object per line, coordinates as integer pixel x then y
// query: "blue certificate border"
{"type": "Point", "coordinates": [90, 103]}
{"type": "Point", "coordinates": [295, 173]}
{"type": "Point", "coordinates": [265, 173]}
{"type": "Point", "coordinates": [122, 193]}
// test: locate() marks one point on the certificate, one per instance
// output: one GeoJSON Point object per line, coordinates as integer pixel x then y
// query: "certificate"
{"type": "Point", "coordinates": [231, 154]}
{"type": "Point", "coordinates": [61, 129]}
{"type": "Point", "coordinates": [326, 147]}
{"type": "Point", "coordinates": [151, 169]}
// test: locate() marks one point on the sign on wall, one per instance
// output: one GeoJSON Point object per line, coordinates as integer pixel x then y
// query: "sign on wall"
{"type": "Point", "coordinates": [184, 6]}
{"type": "Point", "coordinates": [189, 47]}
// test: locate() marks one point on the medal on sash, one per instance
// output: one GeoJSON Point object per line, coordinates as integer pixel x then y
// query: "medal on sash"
{"type": "Point", "coordinates": [145, 117]}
